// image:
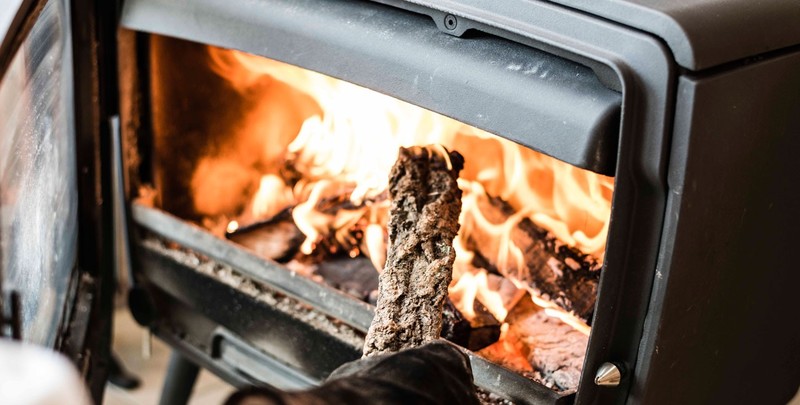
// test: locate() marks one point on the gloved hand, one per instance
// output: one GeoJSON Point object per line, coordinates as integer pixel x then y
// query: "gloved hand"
{"type": "Point", "coordinates": [435, 373]}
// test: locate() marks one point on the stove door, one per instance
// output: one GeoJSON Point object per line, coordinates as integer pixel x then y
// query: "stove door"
{"type": "Point", "coordinates": [56, 292]}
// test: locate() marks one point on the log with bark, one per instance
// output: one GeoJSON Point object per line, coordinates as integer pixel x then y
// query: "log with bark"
{"type": "Point", "coordinates": [426, 203]}
{"type": "Point", "coordinates": [554, 270]}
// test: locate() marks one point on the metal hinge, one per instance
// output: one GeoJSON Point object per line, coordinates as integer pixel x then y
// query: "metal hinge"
{"type": "Point", "coordinates": [10, 315]}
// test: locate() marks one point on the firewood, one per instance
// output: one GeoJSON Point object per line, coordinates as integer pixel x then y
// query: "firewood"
{"type": "Point", "coordinates": [554, 349]}
{"type": "Point", "coordinates": [276, 238]}
{"type": "Point", "coordinates": [426, 203]}
{"type": "Point", "coordinates": [475, 333]}
{"type": "Point", "coordinates": [354, 276]}
{"type": "Point", "coordinates": [556, 271]}
{"type": "Point", "coordinates": [455, 327]}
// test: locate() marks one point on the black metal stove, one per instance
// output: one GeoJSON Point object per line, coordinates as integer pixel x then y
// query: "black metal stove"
{"type": "Point", "coordinates": [695, 111]}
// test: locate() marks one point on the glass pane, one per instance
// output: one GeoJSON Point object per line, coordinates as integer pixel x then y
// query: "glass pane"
{"type": "Point", "coordinates": [38, 197]}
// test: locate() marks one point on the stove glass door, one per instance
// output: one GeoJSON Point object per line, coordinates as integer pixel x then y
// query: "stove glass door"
{"type": "Point", "coordinates": [38, 193]}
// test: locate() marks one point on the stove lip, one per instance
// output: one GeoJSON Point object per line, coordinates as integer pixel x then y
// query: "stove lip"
{"type": "Point", "coordinates": [404, 55]}
{"type": "Point", "coordinates": [697, 43]}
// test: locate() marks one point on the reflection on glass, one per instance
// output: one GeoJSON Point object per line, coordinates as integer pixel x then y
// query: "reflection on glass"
{"type": "Point", "coordinates": [37, 174]}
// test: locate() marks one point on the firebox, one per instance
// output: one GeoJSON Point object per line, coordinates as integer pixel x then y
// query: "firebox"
{"type": "Point", "coordinates": [293, 166]}
{"type": "Point", "coordinates": [627, 193]}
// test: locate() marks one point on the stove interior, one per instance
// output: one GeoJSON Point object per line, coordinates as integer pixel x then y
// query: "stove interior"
{"type": "Point", "coordinates": [293, 165]}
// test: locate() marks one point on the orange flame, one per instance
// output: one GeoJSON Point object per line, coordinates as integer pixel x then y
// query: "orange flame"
{"type": "Point", "coordinates": [475, 285]}
{"type": "Point", "coordinates": [352, 144]}
{"type": "Point", "coordinates": [357, 139]}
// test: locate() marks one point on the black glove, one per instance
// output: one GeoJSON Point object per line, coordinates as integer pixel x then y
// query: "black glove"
{"type": "Point", "coordinates": [435, 373]}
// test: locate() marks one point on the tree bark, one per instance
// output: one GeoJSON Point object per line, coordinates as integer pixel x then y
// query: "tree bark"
{"type": "Point", "coordinates": [426, 203]}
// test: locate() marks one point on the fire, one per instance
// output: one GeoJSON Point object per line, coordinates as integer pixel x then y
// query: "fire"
{"type": "Point", "coordinates": [554, 311]}
{"type": "Point", "coordinates": [343, 155]}
{"type": "Point", "coordinates": [475, 285]}
{"type": "Point", "coordinates": [356, 141]}
{"type": "Point", "coordinates": [376, 247]}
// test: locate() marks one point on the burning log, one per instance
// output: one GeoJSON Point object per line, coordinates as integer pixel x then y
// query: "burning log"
{"type": "Point", "coordinates": [276, 238]}
{"type": "Point", "coordinates": [426, 203]}
{"type": "Point", "coordinates": [474, 334]}
{"type": "Point", "coordinates": [455, 327]}
{"type": "Point", "coordinates": [354, 276]}
{"type": "Point", "coordinates": [534, 256]}
{"type": "Point", "coordinates": [553, 349]}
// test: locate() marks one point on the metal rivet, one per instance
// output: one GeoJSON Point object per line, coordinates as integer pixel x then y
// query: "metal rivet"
{"type": "Point", "coordinates": [450, 22]}
{"type": "Point", "coordinates": [608, 375]}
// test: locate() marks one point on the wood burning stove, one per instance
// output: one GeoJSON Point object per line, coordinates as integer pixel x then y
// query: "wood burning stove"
{"type": "Point", "coordinates": [693, 120]}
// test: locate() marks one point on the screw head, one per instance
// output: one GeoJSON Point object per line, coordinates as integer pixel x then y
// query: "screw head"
{"type": "Point", "coordinates": [450, 22]}
{"type": "Point", "coordinates": [608, 375]}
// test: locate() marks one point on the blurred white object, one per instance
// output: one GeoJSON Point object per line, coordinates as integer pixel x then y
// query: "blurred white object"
{"type": "Point", "coordinates": [8, 9]}
{"type": "Point", "coordinates": [33, 375]}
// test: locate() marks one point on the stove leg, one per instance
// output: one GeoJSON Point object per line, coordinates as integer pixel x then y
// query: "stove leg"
{"type": "Point", "coordinates": [179, 382]}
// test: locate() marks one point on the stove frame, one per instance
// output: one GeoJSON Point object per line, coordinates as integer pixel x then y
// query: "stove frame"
{"type": "Point", "coordinates": [651, 122]}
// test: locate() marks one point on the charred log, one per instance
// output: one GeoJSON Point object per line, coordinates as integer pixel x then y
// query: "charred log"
{"type": "Point", "coordinates": [474, 334]}
{"type": "Point", "coordinates": [426, 203]}
{"type": "Point", "coordinates": [346, 229]}
{"type": "Point", "coordinates": [354, 276]}
{"type": "Point", "coordinates": [556, 271]}
{"type": "Point", "coordinates": [540, 347]}
{"type": "Point", "coordinates": [484, 328]}
{"type": "Point", "coordinates": [555, 350]}
{"type": "Point", "coordinates": [455, 327]}
{"type": "Point", "coordinates": [276, 238]}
